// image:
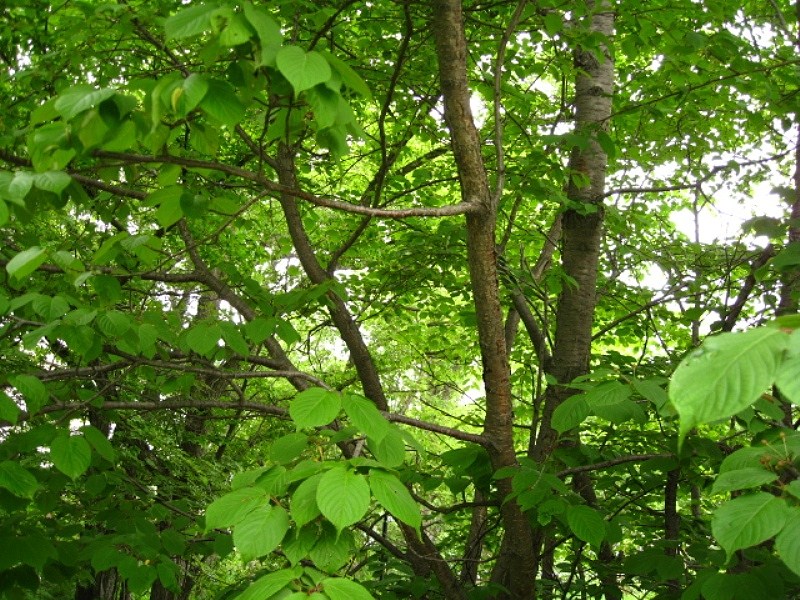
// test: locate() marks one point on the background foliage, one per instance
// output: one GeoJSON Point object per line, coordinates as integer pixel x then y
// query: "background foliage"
{"type": "Point", "coordinates": [250, 349]}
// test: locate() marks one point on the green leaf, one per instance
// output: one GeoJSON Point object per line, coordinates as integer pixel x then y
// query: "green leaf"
{"type": "Point", "coordinates": [364, 415]}
{"type": "Point", "coordinates": [299, 543]}
{"type": "Point", "coordinates": [788, 378]}
{"type": "Point", "coordinates": [52, 181]}
{"type": "Point", "coordinates": [113, 323]}
{"type": "Point", "coordinates": [79, 98]}
{"type": "Point", "coordinates": [26, 262]}
{"type": "Point", "coordinates": [333, 549]}
{"type": "Point", "coordinates": [268, 31]}
{"type": "Point", "coordinates": [587, 524]}
{"type": "Point", "coordinates": [787, 543]}
{"type": "Point", "coordinates": [222, 103]}
{"type": "Point", "coordinates": [344, 589]}
{"type": "Point", "coordinates": [304, 501]}
{"type": "Point", "coordinates": [726, 375]}
{"type": "Point", "coordinates": [553, 23]}
{"type": "Point", "coordinates": [570, 413]}
{"type": "Point", "coordinates": [17, 480]}
{"type": "Point", "coordinates": [343, 497]}
{"type": "Point", "coordinates": [315, 407]}
{"type": "Point", "coordinates": [236, 32]}
{"type": "Point", "coordinates": [267, 586]}
{"type": "Point", "coordinates": [194, 89]}
{"type": "Point", "coordinates": [203, 338]}
{"type": "Point", "coordinates": [9, 411]}
{"type": "Point", "coordinates": [190, 21]}
{"type": "Point", "coordinates": [99, 442]}
{"type": "Point", "coordinates": [742, 479]}
{"type": "Point", "coordinates": [288, 447]}
{"type": "Point", "coordinates": [390, 493]}
{"type": "Point", "coordinates": [33, 391]}
{"type": "Point", "coordinates": [390, 450]}
{"type": "Point", "coordinates": [234, 506]}
{"type": "Point", "coordinates": [748, 520]}
{"type": "Point", "coordinates": [260, 532]}
{"type": "Point", "coordinates": [71, 455]}
{"type": "Point", "coordinates": [259, 329]}
{"type": "Point", "coordinates": [350, 78]}
{"type": "Point", "coordinates": [302, 69]}
{"type": "Point", "coordinates": [607, 394]}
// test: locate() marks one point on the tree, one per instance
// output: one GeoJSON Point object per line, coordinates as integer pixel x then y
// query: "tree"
{"type": "Point", "coordinates": [332, 299]}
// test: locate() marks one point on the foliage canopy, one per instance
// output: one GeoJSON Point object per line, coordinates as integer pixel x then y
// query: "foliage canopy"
{"type": "Point", "coordinates": [387, 300]}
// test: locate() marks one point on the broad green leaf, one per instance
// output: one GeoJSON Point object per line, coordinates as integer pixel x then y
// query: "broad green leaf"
{"type": "Point", "coordinates": [50, 308]}
{"type": "Point", "coordinates": [390, 493]}
{"type": "Point", "coordinates": [17, 479]}
{"type": "Point", "coordinates": [726, 375]}
{"type": "Point", "coordinates": [268, 31]}
{"type": "Point", "coordinates": [189, 21]}
{"type": "Point", "coordinates": [267, 586]}
{"type": "Point", "coordinates": [203, 338]}
{"type": "Point", "coordinates": [113, 323]}
{"type": "Point", "coordinates": [4, 213]}
{"type": "Point", "coordinates": [350, 78]}
{"type": "Point", "coordinates": [236, 32]}
{"type": "Point", "coordinates": [259, 329]}
{"type": "Point", "coordinates": [71, 455]}
{"type": "Point", "coordinates": [587, 524]}
{"type": "Point", "coordinates": [364, 415]}
{"type": "Point", "coordinates": [788, 541]}
{"type": "Point", "coordinates": [260, 532]}
{"type": "Point", "coordinates": [33, 391]}
{"type": "Point", "coordinates": [26, 262]}
{"type": "Point", "coordinates": [234, 506]}
{"type": "Point", "coordinates": [193, 91]}
{"type": "Point", "coordinates": [79, 98]}
{"type": "Point", "coordinates": [343, 496]}
{"type": "Point", "coordinates": [788, 378]}
{"type": "Point", "coordinates": [298, 544]}
{"type": "Point", "coordinates": [303, 505]}
{"type": "Point", "coordinates": [390, 450]}
{"type": "Point", "coordinates": [607, 394]}
{"type": "Point", "coordinates": [748, 520]}
{"type": "Point", "coordinates": [344, 589]}
{"type": "Point", "coordinates": [35, 550]}
{"type": "Point", "coordinates": [288, 447]}
{"type": "Point", "coordinates": [52, 181]}
{"type": "Point", "coordinates": [570, 413]}
{"type": "Point", "coordinates": [333, 549]}
{"type": "Point", "coordinates": [233, 338]}
{"type": "Point", "coordinates": [99, 442]}
{"type": "Point", "coordinates": [222, 103]}
{"type": "Point", "coordinates": [742, 479]}
{"type": "Point", "coordinates": [302, 69]}
{"type": "Point", "coordinates": [9, 411]}
{"type": "Point", "coordinates": [315, 407]}
{"type": "Point", "coordinates": [751, 457]}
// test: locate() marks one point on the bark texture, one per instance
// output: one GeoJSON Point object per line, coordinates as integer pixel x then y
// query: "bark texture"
{"type": "Point", "coordinates": [514, 568]}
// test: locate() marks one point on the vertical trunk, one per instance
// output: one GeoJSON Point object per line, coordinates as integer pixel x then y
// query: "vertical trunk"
{"type": "Point", "coordinates": [515, 565]}
{"type": "Point", "coordinates": [582, 230]}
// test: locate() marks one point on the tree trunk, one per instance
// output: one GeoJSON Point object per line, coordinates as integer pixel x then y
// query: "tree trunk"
{"type": "Point", "coordinates": [514, 569]}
